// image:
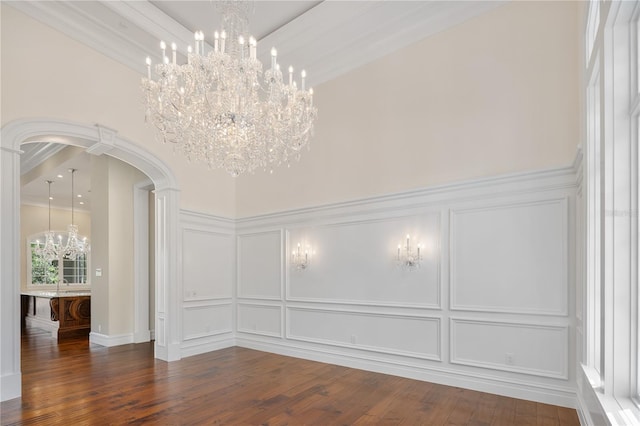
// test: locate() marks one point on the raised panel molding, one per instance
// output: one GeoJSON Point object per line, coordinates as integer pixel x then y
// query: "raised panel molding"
{"type": "Point", "coordinates": [367, 246]}
{"type": "Point", "coordinates": [260, 265]}
{"type": "Point", "coordinates": [260, 319]}
{"type": "Point", "coordinates": [490, 268]}
{"type": "Point", "coordinates": [207, 264]}
{"type": "Point", "coordinates": [368, 331]}
{"type": "Point", "coordinates": [511, 346]}
{"type": "Point", "coordinates": [206, 320]}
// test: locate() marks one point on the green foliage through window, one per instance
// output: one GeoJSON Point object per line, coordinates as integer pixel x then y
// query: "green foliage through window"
{"type": "Point", "coordinates": [49, 273]}
{"type": "Point", "coordinates": [42, 271]}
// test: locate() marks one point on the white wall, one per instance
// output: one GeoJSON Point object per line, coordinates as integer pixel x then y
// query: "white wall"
{"type": "Point", "coordinates": [207, 275]}
{"type": "Point", "coordinates": [489, 309]}
{"type": "Point", "coordinates": [497, 94]}
{"type": "Point", "coordinates": [113, 227]}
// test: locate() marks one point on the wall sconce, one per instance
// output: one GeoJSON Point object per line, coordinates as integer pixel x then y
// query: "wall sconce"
{"type": "Point", "coordinates": [301, 258]}
{"type": "Point", "coordinates": [408, 257]}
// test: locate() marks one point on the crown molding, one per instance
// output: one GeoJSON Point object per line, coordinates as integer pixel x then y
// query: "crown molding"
{"type": "Point", "coordinates": [329, 39]}
{"type": "Point", "coordinates": [334, 38]}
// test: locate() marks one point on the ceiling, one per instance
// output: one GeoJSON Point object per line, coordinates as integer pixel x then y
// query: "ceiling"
{"type": "Point", "coordinates": [326, 38]}
{"type": "Point", "coordinates": [52, 161]}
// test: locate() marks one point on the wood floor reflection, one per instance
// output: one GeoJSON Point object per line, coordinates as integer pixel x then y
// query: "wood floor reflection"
{"type": "Point", "coordinates": [75, 382]}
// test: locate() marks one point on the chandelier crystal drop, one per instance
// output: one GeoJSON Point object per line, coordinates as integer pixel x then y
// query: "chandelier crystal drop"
{"type": "Point", "coordinates": [50, 250]}
{"type": "Point", "coordinates": [220, 108]}
{"type": "Point", "coordinates": [75, 248]}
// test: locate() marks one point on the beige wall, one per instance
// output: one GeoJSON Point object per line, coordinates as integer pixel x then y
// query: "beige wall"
{"type": "Point", "coordinates": [100, 245]}
{"type": "Point", "coordinates": [497, 94]}
{"type": "Point", "coordinates": [45, 74]}
{"type": "Point", "coordinates": [35, 220]}
{"type": "Point", "coordinates": [112, 220]}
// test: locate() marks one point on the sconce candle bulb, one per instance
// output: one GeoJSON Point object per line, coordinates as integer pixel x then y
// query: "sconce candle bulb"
{"type": "Point", "coordinates": [300, 259]}
{"type": "Point", "coordinates": [409, 258]}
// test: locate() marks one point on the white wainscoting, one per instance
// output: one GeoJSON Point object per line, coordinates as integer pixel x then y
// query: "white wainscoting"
{"type": "Point", "coordinates": [539, 350]}
{"type": "Point", "coordinates": [207, 267]}
{"type": "Point", "coordinates": [260, 319]}
{"type": "Point", "coordinates": [354, 263]}
{"type": "Point", "coordinates": [207, 260]}
{"type": "Point", "coordinates": [370, 331]}
{"type": "Point", "coordinates": [497, 279]}
{"type": "Point", "coordinates": [205, 320]}
{"type": "Point", "coordinates": [510, 257]}
{"type": "Point", "coordinates": [260, 265]}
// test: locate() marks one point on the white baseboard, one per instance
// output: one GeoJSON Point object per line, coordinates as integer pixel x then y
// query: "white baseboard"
{"type": "Point", "coordinates": [202, 348]}
{"type": "Point", "coordinates": [10, 386]}
{"type": "Point", "coordinates": [562, 396]}
{"type": "Point", "coordinates": [108, 341]}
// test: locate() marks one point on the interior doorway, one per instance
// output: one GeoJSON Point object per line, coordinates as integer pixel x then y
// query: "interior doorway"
{"type": "Point", "coordinates": [96, 140]}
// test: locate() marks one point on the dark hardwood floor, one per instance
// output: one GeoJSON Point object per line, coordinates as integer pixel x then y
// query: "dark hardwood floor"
{"type": "Point", "coordinates": [75, 383]}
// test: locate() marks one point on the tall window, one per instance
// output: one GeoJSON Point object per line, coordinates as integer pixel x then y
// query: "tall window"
{"type": "Point", "coordinates": [62, 271]}
{"type": "Point", "coordinates": [634, 120]}
{"type": "Point", "coordinates": [594, 300]}
{"type": "Point", "coordinates": [612, 327]}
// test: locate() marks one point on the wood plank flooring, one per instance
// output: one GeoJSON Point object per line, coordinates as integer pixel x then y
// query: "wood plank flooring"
{"type": "Point", "coordinates": [76, 383]}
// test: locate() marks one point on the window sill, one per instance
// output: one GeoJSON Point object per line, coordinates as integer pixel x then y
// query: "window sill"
{"type": "Point", "coordinates": [620, 411]}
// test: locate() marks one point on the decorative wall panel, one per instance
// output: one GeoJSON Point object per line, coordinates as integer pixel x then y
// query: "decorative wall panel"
{"type": "Point", "coordinates": [510, 258]}
{"type": "Point", "coordinates": [354, 263]}
{"type": "Point", "coordinates": [540, 350]}
{"type": "Point", "coordinates": [260, 319]}
{"type": "Point", "coordinates": [260, 265]}
{"type": "Point", "coordinates": [207, 264]}
{"type": "Point", "coordinates": [206, 320]}
{"type": "Point", "coordinates": [414, 336]}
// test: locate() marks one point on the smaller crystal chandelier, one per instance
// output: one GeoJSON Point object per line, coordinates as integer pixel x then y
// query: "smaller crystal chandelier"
{"type": "Point", "coordinates": [75, 248]}
{"type": "Point", "coordinates": [301, 259]}
{"type": "Point", "coordinates": [50, 250]}
{"type": "Point", "coordinates": [407, 257]}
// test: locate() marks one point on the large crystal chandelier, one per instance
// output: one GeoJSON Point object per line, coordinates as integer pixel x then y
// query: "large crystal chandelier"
{"type": "Point", "coordinates": [75, 248]}
{"type": "Point", "coordinates": [50, 250]}
{"type": "Point", "coordinates": [222, 109]}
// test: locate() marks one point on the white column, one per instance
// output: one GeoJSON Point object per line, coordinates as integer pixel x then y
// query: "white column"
{"type": "Point", "coordinates": [141, 331]}
{"type": "Point", "coordinates": [10, 375]}
{"type": "Point", "coordinates": [168, 329]}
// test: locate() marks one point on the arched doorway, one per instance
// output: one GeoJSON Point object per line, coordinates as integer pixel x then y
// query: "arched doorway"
{"type": "Point", "coordinates": [97, 140]}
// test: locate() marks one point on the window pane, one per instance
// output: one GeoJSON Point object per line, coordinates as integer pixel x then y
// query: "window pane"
{"type": "Point", "coordinates": [636, 51]}
{"type": "Point", "coordinates": [42, 272]}
{"type": "Point", "coordinates": [592, 27]}
{"type": "Point", "coordinates": [75, 271]}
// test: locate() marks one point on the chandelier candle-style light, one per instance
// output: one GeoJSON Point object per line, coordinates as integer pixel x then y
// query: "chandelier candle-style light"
{"type": "Point", "coordinates": [74, 248]}
{"type": "Point", "coordinates": [50, 250]}
{"type": "Point", "coordinates": [220, 108]}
